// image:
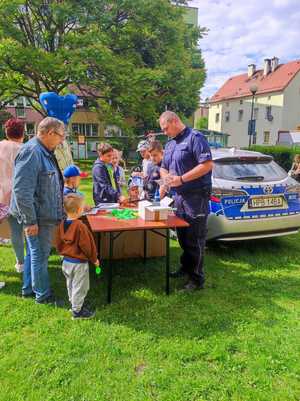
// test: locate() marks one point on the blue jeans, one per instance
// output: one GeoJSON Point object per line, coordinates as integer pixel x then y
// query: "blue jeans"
{"type": "Point", "coordinates": [17, 238]}
{"type": "Point", "coordinates": [35, 276]}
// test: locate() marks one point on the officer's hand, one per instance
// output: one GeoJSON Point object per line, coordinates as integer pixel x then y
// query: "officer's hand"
{"type": "Point", "coordinates": [32, 230]}
{"type": "Point", "coordinates": [162, 191]}
{"type": "Point", "coordinates": [176, 181]}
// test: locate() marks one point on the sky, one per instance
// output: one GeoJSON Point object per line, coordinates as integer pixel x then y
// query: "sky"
{"type": "Point", "coordinates": [243, 32]}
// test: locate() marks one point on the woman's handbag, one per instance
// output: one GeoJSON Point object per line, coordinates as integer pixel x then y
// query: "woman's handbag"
{"type": "Point", "coordinates": [4, 212]}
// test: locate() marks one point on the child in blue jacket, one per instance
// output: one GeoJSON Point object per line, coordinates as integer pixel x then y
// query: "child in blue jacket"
{"type": "Point", "coordinates": [105, 185]}
{"type": "Point", "coordinates": [151, 186]}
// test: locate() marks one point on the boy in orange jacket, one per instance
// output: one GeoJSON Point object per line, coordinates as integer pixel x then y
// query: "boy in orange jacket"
{"type": "Point", "coordinates": [76, 244]}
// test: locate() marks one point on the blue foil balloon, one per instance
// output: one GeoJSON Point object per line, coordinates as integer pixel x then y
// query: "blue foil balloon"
{"type": "Point", "coordinates": [61, 107]}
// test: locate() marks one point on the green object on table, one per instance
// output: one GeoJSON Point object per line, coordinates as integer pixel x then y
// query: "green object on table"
{"type": "Point", "coordinates": [124, 214]}
{"type": "Point", "coordinates": [98, 270]}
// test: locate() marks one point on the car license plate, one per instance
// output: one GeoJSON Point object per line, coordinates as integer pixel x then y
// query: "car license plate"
{"type": "Point", "coordinates": [262, 202]}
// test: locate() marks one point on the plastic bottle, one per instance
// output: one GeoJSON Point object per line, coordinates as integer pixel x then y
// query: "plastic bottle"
{"type": "Point", "coordinates": [157, 196]}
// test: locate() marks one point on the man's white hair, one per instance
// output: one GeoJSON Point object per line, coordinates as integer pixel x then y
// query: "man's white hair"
{"type": "Point", "coordinates": [48, 124]}
{"type": "Point", "coordinates": [169, 116]}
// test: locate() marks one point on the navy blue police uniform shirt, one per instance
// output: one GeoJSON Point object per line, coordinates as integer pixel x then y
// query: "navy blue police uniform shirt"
{"type": "Point", "coordinates": [184, 152]}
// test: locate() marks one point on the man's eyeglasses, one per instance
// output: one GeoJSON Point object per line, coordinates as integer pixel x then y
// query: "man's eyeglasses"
{"type": "Point", "coordinates": [59, 134]}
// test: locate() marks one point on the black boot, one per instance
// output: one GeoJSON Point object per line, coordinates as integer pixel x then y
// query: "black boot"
{"type": "Point", "coordinates": [178, 273]}
{"type": "Point", "coordinates": [192, 285]}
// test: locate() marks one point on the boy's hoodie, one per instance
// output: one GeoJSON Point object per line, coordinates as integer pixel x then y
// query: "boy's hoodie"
{"type": "Point", "coordinates": [103, 191]}
{"type": "Point", "coordinates": [151, 185]}
{"type": "Point", "coordinates": [76, 241]}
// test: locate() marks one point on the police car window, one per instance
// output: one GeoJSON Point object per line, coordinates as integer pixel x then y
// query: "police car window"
{"type": "Point", "coordinates": [249, 171]}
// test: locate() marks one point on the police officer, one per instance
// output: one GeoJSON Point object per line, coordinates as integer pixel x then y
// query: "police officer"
{"type": "Point", "coordinates": [186, 167]}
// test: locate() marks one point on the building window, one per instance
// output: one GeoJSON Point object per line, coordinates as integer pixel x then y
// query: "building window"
{"type": "Point", "coordinates": [29, 129]}
{"type": "Point", "coordinates": [254, 139]}
{"type": "Point", "coordinates": [227, 104]}
{"type": "Point", "coordinates": [240, 115]}
{"type": "Point", "coordinates": [20, 102]}
{"type": "Point", "coordinates": [20, 112]}
{"type": "Point", "coordinates": [241, 101]}
{"type": "Point", "coordinates": [27, 103]}
{"type": "Point", "coordinates": [217, 117]}
{"type": "Point", "coordinates": [227, 116]}
{"type": "Point", "coordinates": [85, 129]}
{"type": "Point", "coordinates": [266, 137]}
{"type": "Point", "coordinates": [112, 130]}
{"type": "Point", "coordinates": [269, 116]}
{"type": "Point", "coordinates": [94, 129]}
{"type": "Point", "coordinates": [255, 113]}
{"type": "Point", "coordinates": [85, 102]}
{"type": "Point", "coordinates": [79, 102]}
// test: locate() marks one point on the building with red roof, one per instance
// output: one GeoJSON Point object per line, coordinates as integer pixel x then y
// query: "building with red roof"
{"type": "Point", "coordinates": [274, 92]}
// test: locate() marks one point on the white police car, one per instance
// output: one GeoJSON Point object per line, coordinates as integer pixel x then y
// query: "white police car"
{"type": "Point", "coordinates": [252, 197]}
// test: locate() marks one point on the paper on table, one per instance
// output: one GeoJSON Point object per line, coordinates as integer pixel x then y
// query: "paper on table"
{"type": "Point", "coordinates": [94, 210]}
{"type": "Point", "coordinates": [166, 201]}
{"type": "Point", "coordinates": [102, 206]}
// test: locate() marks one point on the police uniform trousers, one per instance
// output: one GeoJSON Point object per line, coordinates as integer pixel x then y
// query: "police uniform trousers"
{"type": "Point", "coordinates": [193, 208]}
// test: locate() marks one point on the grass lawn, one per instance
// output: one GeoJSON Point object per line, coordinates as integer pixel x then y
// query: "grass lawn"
{"type": "Point", "coordinates": [239, 339]}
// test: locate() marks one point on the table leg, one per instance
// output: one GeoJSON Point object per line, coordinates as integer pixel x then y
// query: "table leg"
{"type": "Point", "coordinates": [168, 261]}
{"type": "Point", "coordinates": [110, 267]}
{"type": "Point", "coordinates": [99, 245]}
{"type": "Point", "coordinates": [145, 246]}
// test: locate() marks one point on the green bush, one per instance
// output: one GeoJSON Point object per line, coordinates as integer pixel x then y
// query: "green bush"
{"type": "Point", "coordinates": [282, 155]}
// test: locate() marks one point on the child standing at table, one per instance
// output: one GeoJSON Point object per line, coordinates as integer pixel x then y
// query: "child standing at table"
{"type": "Point", "coordinates": [118, 170]}
{"type": "Point", "coordinates": [151, 186]}
{"type": "Point", "coordinates": [105, 185]}
{"type": "Point", "coordinates": [72, 179]}
{"type": "Point", "coordinates": [76, 244]}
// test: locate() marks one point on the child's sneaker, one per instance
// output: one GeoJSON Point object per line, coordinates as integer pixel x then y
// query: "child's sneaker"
{"type": "Point", "coordinates": [19, 267]}
{"type": "Point", "coordinates": [83, 314]}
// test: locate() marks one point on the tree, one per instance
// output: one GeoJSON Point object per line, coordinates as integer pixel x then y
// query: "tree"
{"type": "Point", "coordinates": [133, 57]}
{"type": "Point", "coordinates": [202, 123]}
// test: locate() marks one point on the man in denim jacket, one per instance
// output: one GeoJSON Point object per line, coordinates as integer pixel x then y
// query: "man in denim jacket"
{"type": "Point", "coordinates": [37, 202]}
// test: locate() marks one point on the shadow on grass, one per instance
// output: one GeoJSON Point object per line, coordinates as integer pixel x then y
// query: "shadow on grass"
{"type": "Point", "coordinates": [243, 285]}
{"type": "Point", "coordinates": [236, 293]}
{"type": "Point", "coordinates": [264, 254]}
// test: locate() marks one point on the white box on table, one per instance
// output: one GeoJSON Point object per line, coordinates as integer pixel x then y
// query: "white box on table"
{"type": "Point", "coordinates": [149, 212]}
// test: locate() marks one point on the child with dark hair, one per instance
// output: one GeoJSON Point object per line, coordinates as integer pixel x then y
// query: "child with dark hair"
{"type": "Point", "coordinates": [151, 186]}
{"type": "Point", "coordinates": [105, 184]}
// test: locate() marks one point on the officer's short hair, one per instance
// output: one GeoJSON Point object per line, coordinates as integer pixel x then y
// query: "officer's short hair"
{"type": "Point", "coordinates": [104, 148]}
{"type": "Point", "coordinates": [73, 202]}
{"type": "Point", "coordinates": [48, 124]}
{"type": "Point", "coordinates": [169, 116]}
{"type": "Point", "coordinates": [156, 145]}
